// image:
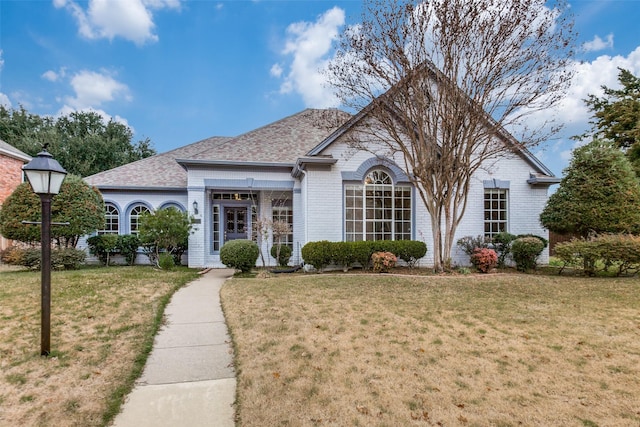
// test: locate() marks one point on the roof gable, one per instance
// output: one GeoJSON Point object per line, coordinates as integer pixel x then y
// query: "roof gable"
{"type": "Point", "coordinates": [501, 132]}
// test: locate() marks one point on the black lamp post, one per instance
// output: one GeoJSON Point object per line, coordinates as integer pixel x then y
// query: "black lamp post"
{"type": "Point", "coordinates": [45, 176]}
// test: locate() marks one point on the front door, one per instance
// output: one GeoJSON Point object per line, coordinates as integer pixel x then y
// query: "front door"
{"type": "Point", "coordinates": [235, 223]}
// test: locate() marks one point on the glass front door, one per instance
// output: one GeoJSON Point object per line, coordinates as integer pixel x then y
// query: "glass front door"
{"type": "Point", "coordinates": [235, 223]}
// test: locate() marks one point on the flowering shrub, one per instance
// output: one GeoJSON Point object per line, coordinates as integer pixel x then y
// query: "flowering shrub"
{"type": "Point", "coordinates": [484, 259]}
{"type": "Point", "coordinates": [383, 261]}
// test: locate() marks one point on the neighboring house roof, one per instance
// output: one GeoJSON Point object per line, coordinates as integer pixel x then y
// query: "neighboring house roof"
{"type": "Point", "coordinates": [279, 143]}
{"type": "Point", "coordinates": [13, 152]}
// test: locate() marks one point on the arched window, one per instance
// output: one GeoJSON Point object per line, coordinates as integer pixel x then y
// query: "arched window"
{"type": "Point", "coordinates": [111, 219]}
{"type": "Point", "coordinates": [134, 217]}
{"type": "Point", "coordinates": [377, 209]}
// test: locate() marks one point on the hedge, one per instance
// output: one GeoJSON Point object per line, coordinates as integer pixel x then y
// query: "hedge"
{"type": "Point", "coordinates": [346, 254]}
{"type": "Point", "coordinates": [602, 253]}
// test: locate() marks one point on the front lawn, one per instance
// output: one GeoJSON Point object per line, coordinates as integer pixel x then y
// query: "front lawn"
{"type": "Point", "coordinates": [103, 321]}
{"type": "Point", "coordinates": [384, 350]}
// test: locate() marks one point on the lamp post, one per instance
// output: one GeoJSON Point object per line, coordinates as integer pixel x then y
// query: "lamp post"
{"type": "Point", "coordinates": [45, 176]}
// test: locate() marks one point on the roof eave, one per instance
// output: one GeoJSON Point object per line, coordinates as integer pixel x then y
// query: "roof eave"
{"type": "Point", "coordinates": [302, 162]}
{"type": "Point", "coordinates": [543, 180]}
{"type": "Point", "coordinates": [232, 163]}
{"type": "Point", "coordinates": [14, 155]}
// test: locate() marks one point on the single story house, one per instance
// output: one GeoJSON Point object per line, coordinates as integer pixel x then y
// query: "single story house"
{"type": "Point", "coordinates": [11, 162]}
{"type": "Point", "coordinates": [302, 170]}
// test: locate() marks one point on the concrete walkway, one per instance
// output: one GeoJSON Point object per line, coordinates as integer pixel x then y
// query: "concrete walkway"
{"type": "Point", "coordinates": [188, 379]}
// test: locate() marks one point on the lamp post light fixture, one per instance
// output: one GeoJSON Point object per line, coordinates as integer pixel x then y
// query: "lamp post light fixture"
{"type": "Point", "coordinates": [45, 176]}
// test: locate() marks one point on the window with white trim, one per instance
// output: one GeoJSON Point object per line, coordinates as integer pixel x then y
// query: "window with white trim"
{"type": "Point", "coordinates": [134, 218]}
{"type": "Point", "coordinates": [377, 209]}
{"type": "Point", "coordinates": [281, 210]}
{"type": "Point", "coordinates": [111, 219]}
{"type": "Point", "coordinates": [496, 210]}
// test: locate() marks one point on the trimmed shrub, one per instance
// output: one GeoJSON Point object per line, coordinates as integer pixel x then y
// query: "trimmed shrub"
{"type": "Point", "coordinates": [362, 253]}
{"type": "Point", "coordinates": [32, 258]}
{"type": "Point", "coordinates": [468, 244]}
{"type": "Point", "coordinates": [383, 261]}
{"type": "Point", "coordinates": [128, 245]}
{"type": "Point", "coordinates": [102, 246]}
{"type": "Point", "coordinates": [166, 261]}
{"type": "Point", "coordinates": [501, 243]}
{"type": "Point", "coordinates": [525, 252]}
{"type": "Point", "coordinates": [484, 260]}
{"type": "Point", "coordinates": [544, 241]}
{"type": "Point", "coordinates": [240, 254]}
{"type": "Point", "coordinates": [285, 254]}
{"type": "Point", "coordinates": [618, 251]}
{"type": "Point", "coordinates": [61, 259]}
{"type": "Point", "coordinates": [343, 254]}
{"type": "Point", "coordinates": [13, 255]}
{"type": "Point", "coordinates": [317, 254]}
{"type": "Point", "coordinates": [67, 258]}
{"type": "Point", "coordinates": [410, 251]}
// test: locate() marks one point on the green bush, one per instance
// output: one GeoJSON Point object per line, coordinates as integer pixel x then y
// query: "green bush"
{"type": "Point", "coordinates": [317, 254]}
{"type": "Point", "coordinates": [61, 259]}
{"type": "Point", "coordinates": [166, 261]}
{"type": "Point", "coordinates": [469, 244]}
{"type": "Point", "coordinates": [67, 258]}
{"type": "Point", "coordinates": [345, 254]}
{"type": "Point", "coordinates": [601, 253]}
{"type": "Point", "coordinates": [362, 252]}
{"type": "Point", "coordinates": [410, 251]}
{"type": "Point", "coordinates": [285, 254]}
{"type": "Point", "coordinates": [525, 252]}
{"type": "Point", "coordinates": [544, 241]}
{"type": "Point", "coordinates": [32, 258]}
{"type": "Point", "coordinates": [103, 246]}
{"type": "Point", "coordinates": [128, 245]}
{"type": "Point", "coordinates": [501, 243]}
{"type": "Point", "coordinates": [240, 254]}
{"type": "Point", "coordinates": [342, 254]}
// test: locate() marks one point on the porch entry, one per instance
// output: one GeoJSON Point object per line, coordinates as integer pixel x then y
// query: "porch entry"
{"type": "Point", "coordinates": [236, 223]}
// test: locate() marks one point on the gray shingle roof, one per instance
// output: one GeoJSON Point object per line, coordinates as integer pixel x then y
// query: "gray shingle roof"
{"type": "Point", "coordinates": [283, 141]}
{"type": "Point", "coordinates": [11, 151]}
{"type": "Point", "coordinates": [159, 171]}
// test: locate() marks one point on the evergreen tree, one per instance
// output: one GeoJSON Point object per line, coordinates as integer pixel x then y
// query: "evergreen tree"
{"type": "Point", "coordinates": [598, 194]}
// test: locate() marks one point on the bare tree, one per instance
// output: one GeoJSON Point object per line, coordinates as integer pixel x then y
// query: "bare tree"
{"type": "Point", "coordinates": [436, 83]}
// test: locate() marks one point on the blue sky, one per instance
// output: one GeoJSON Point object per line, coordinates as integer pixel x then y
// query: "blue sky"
{"type": "Point", "coordinates": [179, 71]}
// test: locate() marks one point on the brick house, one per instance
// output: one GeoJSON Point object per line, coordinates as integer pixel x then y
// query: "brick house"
{"type": "Point", "coordinates": [301, 169]}
{"type": "Point", "coordinates": [11, 162]}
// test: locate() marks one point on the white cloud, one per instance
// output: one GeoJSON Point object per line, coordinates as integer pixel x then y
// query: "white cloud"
{"type": "Point", "coordinates": [1, 60]}
{"type": "Point", "coordinates": [276, 70]}
{"type": "Point", "coordinates": [4, 101]}
{"type": "Point", "coordinates": [54, 76]}
{"type": "Point", "coordinates": [598, 44]}
{"type": "Point", "coordinates": [92, 89]}
{"type": "Point", "coordinates": [588, 79]}
{"type": "Point", "coordinates": [129, 19]}
{"type": "Point", "coordinates": [308, 44]}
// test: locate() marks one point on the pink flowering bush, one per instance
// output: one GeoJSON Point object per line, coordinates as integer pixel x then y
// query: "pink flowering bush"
{"type": "Point", "coordinates": [383, 261]}
{"type": "Point", "coordinates": [484, 259]}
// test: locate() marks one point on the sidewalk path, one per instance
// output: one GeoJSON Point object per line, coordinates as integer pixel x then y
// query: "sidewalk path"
{"type": "Point", "coordinates": [188, 379]}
